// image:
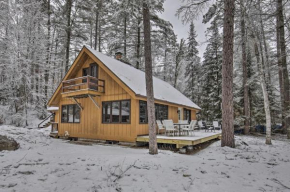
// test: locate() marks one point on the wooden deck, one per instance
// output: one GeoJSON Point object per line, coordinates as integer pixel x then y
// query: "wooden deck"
{"type": "Point", "coordinates": [182, 141]}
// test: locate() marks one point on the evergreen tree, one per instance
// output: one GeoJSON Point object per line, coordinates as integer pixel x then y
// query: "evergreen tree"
{"type": "Point", "coordinates": [211, 74]}
{"type": "Point", "coordinates": [193, 68]}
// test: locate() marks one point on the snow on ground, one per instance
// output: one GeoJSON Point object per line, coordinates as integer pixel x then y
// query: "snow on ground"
{"type": "Point", "coordinates": [46, 164]}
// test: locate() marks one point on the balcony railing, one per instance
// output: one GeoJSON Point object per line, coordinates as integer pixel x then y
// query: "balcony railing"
{"type": "Point", "coordinates": [83, 83]}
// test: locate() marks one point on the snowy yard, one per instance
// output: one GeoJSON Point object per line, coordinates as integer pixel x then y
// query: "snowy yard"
{"type": "Point", "coordinates": [45, 164]}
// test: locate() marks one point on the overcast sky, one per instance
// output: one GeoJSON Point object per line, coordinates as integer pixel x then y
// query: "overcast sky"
{"type": "Point", "coordinates": [181, 30]}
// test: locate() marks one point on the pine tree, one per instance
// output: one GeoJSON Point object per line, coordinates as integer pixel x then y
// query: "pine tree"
{"type": "Point", "coordinates": [211, 74]}
{"type": "Point", "coordinates": [193, 68]}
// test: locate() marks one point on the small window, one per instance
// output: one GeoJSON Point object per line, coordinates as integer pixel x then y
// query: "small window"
{"type": "Point", "coordinates": [70, 114]}
{"type": "Point", "coordinates": [116, 111]}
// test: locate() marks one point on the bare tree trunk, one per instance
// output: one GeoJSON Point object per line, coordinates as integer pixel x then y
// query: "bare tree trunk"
{"type": "Point", "coordinates": [265, 94]}
{"type": "Point", "coordinates": [283, 72]}
{"type": "Point", "coordinates": [267, 66]}
{"type": "Point", "coordinates": [125, 36]}
{"type": "Point", "coordinates": [96, 29]}
{"type": "Point", "coordinates": [99, 22]}
{"type": "Point", "coordinates": [138, 43]}
{"type": "Point", "coordinates": [97, 25]}
{"type": "Point", "coordinates": [46, 71]}
{"type": "Point", "coordinates": [149, 81]}
{"type": "Point", "coordinates": [227, 75]}
{"type": "Point", "coordinates": [245, 71]}
{"type": "Point", "coordinates": [68, 33]}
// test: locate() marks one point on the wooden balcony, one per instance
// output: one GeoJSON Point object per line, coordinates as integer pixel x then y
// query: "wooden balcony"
{"type": "Point", "coordinates": [83, 86]}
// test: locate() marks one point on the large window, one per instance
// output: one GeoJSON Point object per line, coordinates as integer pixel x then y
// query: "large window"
{"type": "Point", "coordinates": [161, 112]}
{"type": "Point", "coordinates": [116, 111]}
{"type": "Point", "coordinates": [187, 114]}
{"type": "Point", "coordinates": [70, 114]}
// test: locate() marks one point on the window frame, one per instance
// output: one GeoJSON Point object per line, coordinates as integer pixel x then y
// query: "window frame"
{"type": "Point", "coordinates": [157, 107]}
{"type": "Point", "coordinates": [120, 112]}
{"type": "Point", "coordinates": [67, 113]}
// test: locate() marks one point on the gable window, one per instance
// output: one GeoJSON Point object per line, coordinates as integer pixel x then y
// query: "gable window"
{"type": "Point", "coordinates": [161, 112]}
{"type": "Point", "coordinates": [116, 111]}
{"type": "Point", "coordinates": [70, 114]}
{"type": "Point", "coordinates": [187, 115]}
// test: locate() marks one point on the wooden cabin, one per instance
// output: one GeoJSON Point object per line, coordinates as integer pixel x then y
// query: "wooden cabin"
{"type": "Point", "coordinates": [103, 98]}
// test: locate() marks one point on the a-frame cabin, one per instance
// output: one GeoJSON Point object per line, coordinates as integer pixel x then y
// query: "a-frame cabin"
{"type": "Point", "coordinates": [103, 98]}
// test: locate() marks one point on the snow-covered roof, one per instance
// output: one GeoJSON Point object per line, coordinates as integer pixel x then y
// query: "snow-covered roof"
{"type": "Point", "coordinates": [135, 80]}
{"type": "Point", "coordinates": [52, 108]}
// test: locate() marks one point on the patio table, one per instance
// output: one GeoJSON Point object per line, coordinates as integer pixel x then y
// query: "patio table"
{"type": "Point", "coordinates": [179, 126]}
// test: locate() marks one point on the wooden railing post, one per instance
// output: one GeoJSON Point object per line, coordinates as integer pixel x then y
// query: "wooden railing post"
{"type": "Point", "coordinates": [104, 86]}
{"type": "Point", "coordinates": [88, 82]}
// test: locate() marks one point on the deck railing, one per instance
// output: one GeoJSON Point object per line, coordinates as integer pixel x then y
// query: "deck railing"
{"type": "Point", "coordinates": [83, 83]}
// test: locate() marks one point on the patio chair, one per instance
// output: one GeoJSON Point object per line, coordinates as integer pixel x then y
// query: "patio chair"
{"type": "Point", "coordinates": [208, 127]}
{"type": "Point", "coordinates": [183, 122]}
{"type": "Point", "coordinates": [190, 127]}
{"type": "Point", "coordinates": [216, 125]}
{"type": "Point", "coordinates": [169, 126]}
{"type": "Point", "coordinates": [159, 125]}
{"type": "Point", "coordinates": [201, 125]}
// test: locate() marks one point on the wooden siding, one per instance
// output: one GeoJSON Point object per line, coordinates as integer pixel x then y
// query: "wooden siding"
{"type": "Point", "coordinates": [91, 125]}
{"type": "Point", "coordinates": [193, 115]}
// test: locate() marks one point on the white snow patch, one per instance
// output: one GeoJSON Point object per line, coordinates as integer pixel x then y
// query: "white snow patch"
{"type": "Point", "coordinates": [46, 164]}
{"type": "Point", "coordinates": [52, 108]}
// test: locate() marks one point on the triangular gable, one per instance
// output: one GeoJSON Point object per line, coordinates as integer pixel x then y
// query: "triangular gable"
{"type": "Point", "coordinates": [77, 64]}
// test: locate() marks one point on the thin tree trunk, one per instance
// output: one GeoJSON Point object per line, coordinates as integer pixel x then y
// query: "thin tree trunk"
{"type": "Point", "coordinates": [46, 72]}
{"type": "Point", "coordinates": [138, 43]}
{"type": "Point", "coordinates": [149, 81]}
{"type": "Point", "coordinates": [245, 71]}
{"type": "Point", "coordinates": [68, 33]}
{"type": "Point", "coordinates": [96, 27]}
{"type": "Point", "coordinates": [265, 94]}
{"type": "Point", "coordinates": [125, 36]}
{"type": "Point", "coordinates": [283, 72]}
{"type": "Point", "coordinates": [267, 66]}
{"type": "Point", "coordinates": [99, 22]}
{"type": "Point", "coordinates": [227, 75]}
